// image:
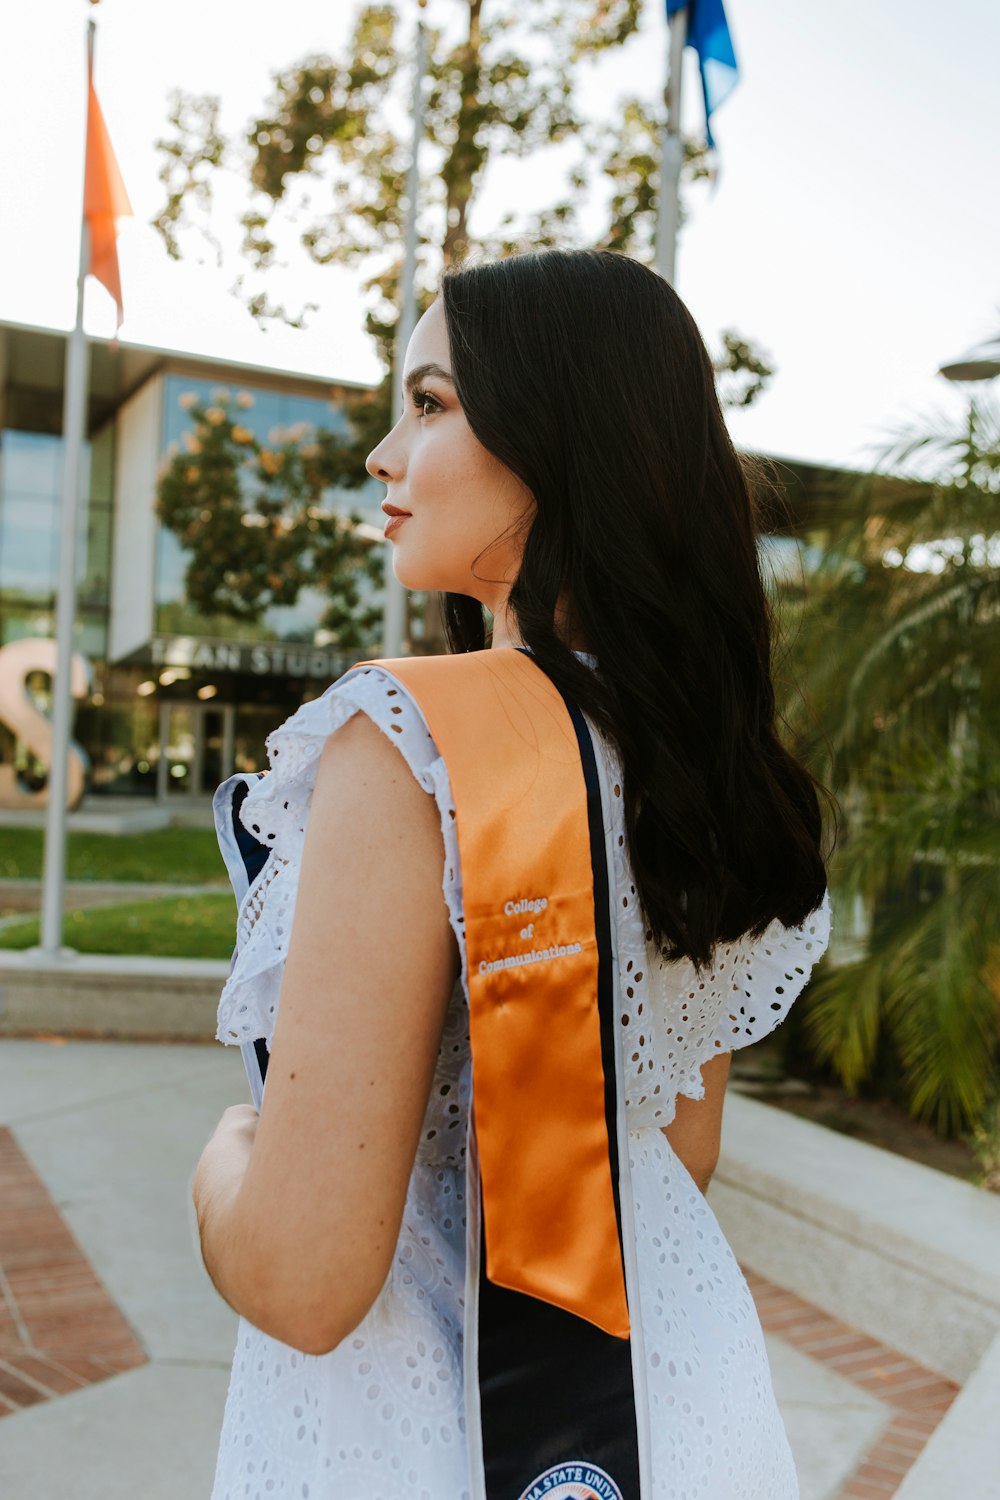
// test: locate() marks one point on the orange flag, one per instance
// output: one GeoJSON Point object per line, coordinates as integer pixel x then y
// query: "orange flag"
{"type": "Point", "coordinates": [105, 200]}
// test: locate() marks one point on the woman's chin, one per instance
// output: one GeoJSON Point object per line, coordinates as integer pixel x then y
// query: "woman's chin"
{"type": "Point", "coordinates": [403, 574]}
{"type": "Point", "coordinates": [416, 572]}
{"type": "Point", "coordinates": [411, 575]}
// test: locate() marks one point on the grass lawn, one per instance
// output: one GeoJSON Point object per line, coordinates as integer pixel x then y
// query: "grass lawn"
{"type": "Point", "coordinates": [168, 927]}
{"type": "Point", "coordinates": [189, 856]}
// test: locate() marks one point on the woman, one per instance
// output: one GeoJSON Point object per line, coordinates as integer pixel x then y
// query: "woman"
{"type": "Point", "coordinates": [561, 464]}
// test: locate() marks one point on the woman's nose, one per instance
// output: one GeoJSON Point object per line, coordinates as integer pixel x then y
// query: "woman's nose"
{"type": "Point", "coordinates": [374, 468]}
{"type": "Point", "coordinates": [379, 464]}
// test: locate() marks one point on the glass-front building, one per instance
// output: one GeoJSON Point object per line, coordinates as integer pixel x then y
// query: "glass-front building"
{"type": "Point", "coordinates": [170, 700]}
{"type": "Point", "coordinates": [174, 700]}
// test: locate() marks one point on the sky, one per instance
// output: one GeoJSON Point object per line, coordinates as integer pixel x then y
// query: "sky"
{"type": "Point", "coordinates": [854, 232]}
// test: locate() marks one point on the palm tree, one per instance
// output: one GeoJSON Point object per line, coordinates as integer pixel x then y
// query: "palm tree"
{"type": "Point", "coordinates": [897, 648]}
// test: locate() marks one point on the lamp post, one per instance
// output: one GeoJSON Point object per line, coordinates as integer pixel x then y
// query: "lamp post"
{"type": "Point", "coordinates": [982, 362]}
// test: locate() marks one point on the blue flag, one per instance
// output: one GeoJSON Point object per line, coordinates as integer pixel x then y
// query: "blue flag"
{"type": "Point", "coordinates": [708, 34]}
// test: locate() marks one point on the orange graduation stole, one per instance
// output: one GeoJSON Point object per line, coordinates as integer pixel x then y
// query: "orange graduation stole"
{"type": "Point", "coordinates": [513, 761]}
{"type": "Point", "coordinates": [530, 832]}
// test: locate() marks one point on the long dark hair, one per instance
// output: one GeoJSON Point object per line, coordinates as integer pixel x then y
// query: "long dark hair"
{"type": "Point", "coordinates": [585, 374]}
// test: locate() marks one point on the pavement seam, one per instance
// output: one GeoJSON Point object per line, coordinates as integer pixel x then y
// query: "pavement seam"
{"type": "Point", "coordinates": [10, 1302]}
{"type": "Point", "coordinates": [882, 1466]}
{"type": "Point", "coordinates": [60, 1318]}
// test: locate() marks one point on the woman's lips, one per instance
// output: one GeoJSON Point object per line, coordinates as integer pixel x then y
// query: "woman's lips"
{"type": "Point", "coordinates": [394, 523]}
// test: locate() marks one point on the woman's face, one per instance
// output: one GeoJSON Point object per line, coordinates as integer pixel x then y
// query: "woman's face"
{"type": "Point", "coordinates": [467, 515]}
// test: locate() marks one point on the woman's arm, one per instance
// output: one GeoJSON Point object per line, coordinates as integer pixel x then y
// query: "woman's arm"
{"type": "Point", "coordinates": [696, 1129]}
{"type": "Point", "coordinates": [299, 1218]}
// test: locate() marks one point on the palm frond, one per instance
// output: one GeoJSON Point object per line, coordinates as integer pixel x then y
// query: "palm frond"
{"type": "Point", "coordinates": [891, 692]}
{"type": "Point", "coordinates": [844, 1018]}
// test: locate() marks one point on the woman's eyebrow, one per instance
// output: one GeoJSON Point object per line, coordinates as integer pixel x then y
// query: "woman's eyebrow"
{"type": "Point", "coordinates": [421, 373]}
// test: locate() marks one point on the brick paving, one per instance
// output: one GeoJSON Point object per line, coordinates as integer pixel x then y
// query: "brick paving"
{"type": "Point", "coordinates": [59, 1329]}
{"type": "Point", "coordinates": [916, 1398]}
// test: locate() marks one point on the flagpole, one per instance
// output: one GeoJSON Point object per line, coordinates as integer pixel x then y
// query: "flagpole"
{"type": "Point", "coordinates": [671, 153]}
{"type": "Point", "coordinates": [394, 612]}
{"type": "Point", "coordinates": [73, 426]}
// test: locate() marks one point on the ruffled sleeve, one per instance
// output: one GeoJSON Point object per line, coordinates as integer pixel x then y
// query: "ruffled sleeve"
{"type": "Point", "coordinates": [765, 976]}
{"type": "Point", "coordinates": [275, 810]}
{"type": "Point", "coordinates": [676, 1020]}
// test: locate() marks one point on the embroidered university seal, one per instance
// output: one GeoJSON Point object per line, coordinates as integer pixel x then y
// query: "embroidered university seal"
{"type": "Point", "coordinates": [572, 1481]}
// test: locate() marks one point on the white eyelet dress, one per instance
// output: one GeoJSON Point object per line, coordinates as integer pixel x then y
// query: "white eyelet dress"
{"type": "Point", "coordinates": [383, 1417]}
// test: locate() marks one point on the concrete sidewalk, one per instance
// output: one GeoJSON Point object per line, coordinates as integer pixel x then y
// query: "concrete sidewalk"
{"type": "Point", "coordinates": [113, 1131]}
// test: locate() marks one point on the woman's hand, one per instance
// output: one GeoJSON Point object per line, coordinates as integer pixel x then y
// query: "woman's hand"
{"type": "Point", "coordinates": [239, 1120]}
{"type": "Point", "coordinates": [219, 1175]}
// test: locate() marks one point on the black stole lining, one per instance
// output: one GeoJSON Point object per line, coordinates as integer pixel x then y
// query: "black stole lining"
{"type": "Point", "coordinates": [605, 973]}
{"type": "Point", "coordinates": [556, 1391]}
{"type": "Point", "coordinates": [255, 856]}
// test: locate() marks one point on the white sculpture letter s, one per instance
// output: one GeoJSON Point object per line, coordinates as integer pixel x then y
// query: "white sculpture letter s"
{"type": "Point", "coordinates": [18, 659]}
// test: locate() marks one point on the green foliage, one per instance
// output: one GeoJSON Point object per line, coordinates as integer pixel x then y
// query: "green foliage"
{"type": "Point", "coordinates": [188, 856]}
{"type": "Point", "coordinates": [923, 855]}
{"type": "Point", "coordinates": [189, 157]}
{"type": "Point", "coordinates": [898, 648]}
{"type": "Point", "coordinates": [631, 161]}
{"type": "Point", "coordinates": [257, 521]}
{"type": "Point", "coordinates": [504, 88]}
{"type": "Point", "coordinates": [629, 152]}
{"type": "Point", "coordinates": [174, 927]}
{"type": "Point", "coordinates": [608, 24]}
{"type": "Point", "coordinates": [743, 370]}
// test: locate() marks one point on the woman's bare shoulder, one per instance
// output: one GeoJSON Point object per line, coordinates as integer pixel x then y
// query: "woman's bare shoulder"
{"type": "Point", "coordinates": [360, 764]}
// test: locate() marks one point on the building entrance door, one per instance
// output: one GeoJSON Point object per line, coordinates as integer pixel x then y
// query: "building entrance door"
{"type": "Point", "coordinates": [196, 748]}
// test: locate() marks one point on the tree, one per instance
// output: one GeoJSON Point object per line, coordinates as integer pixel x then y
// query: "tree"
{"type": "Point", "coordinates": [898, 646]}
{"type": "Point", "coordinates": [264, 509]}
{"type": "Point", "coordinates": [501, 84]}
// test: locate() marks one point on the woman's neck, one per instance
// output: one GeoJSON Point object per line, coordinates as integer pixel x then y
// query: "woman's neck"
{"type": "Point", "coordinates": [506, 633]}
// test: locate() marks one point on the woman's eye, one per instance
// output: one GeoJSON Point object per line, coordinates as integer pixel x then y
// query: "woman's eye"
{"type": "Point", "coordinates": [423, 399]}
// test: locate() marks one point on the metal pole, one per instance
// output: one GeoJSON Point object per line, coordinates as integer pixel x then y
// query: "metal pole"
{"type": "Point", "coordinates": [671, 154]}
{"type": "Point", "coordinates": [74, 424]}
{"type": "Point", "coordinates": [394, 614]}
{"type": "Point", "coordinates": [162, 763]}
{"type": "Point", "coordinates": [228, 738]}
